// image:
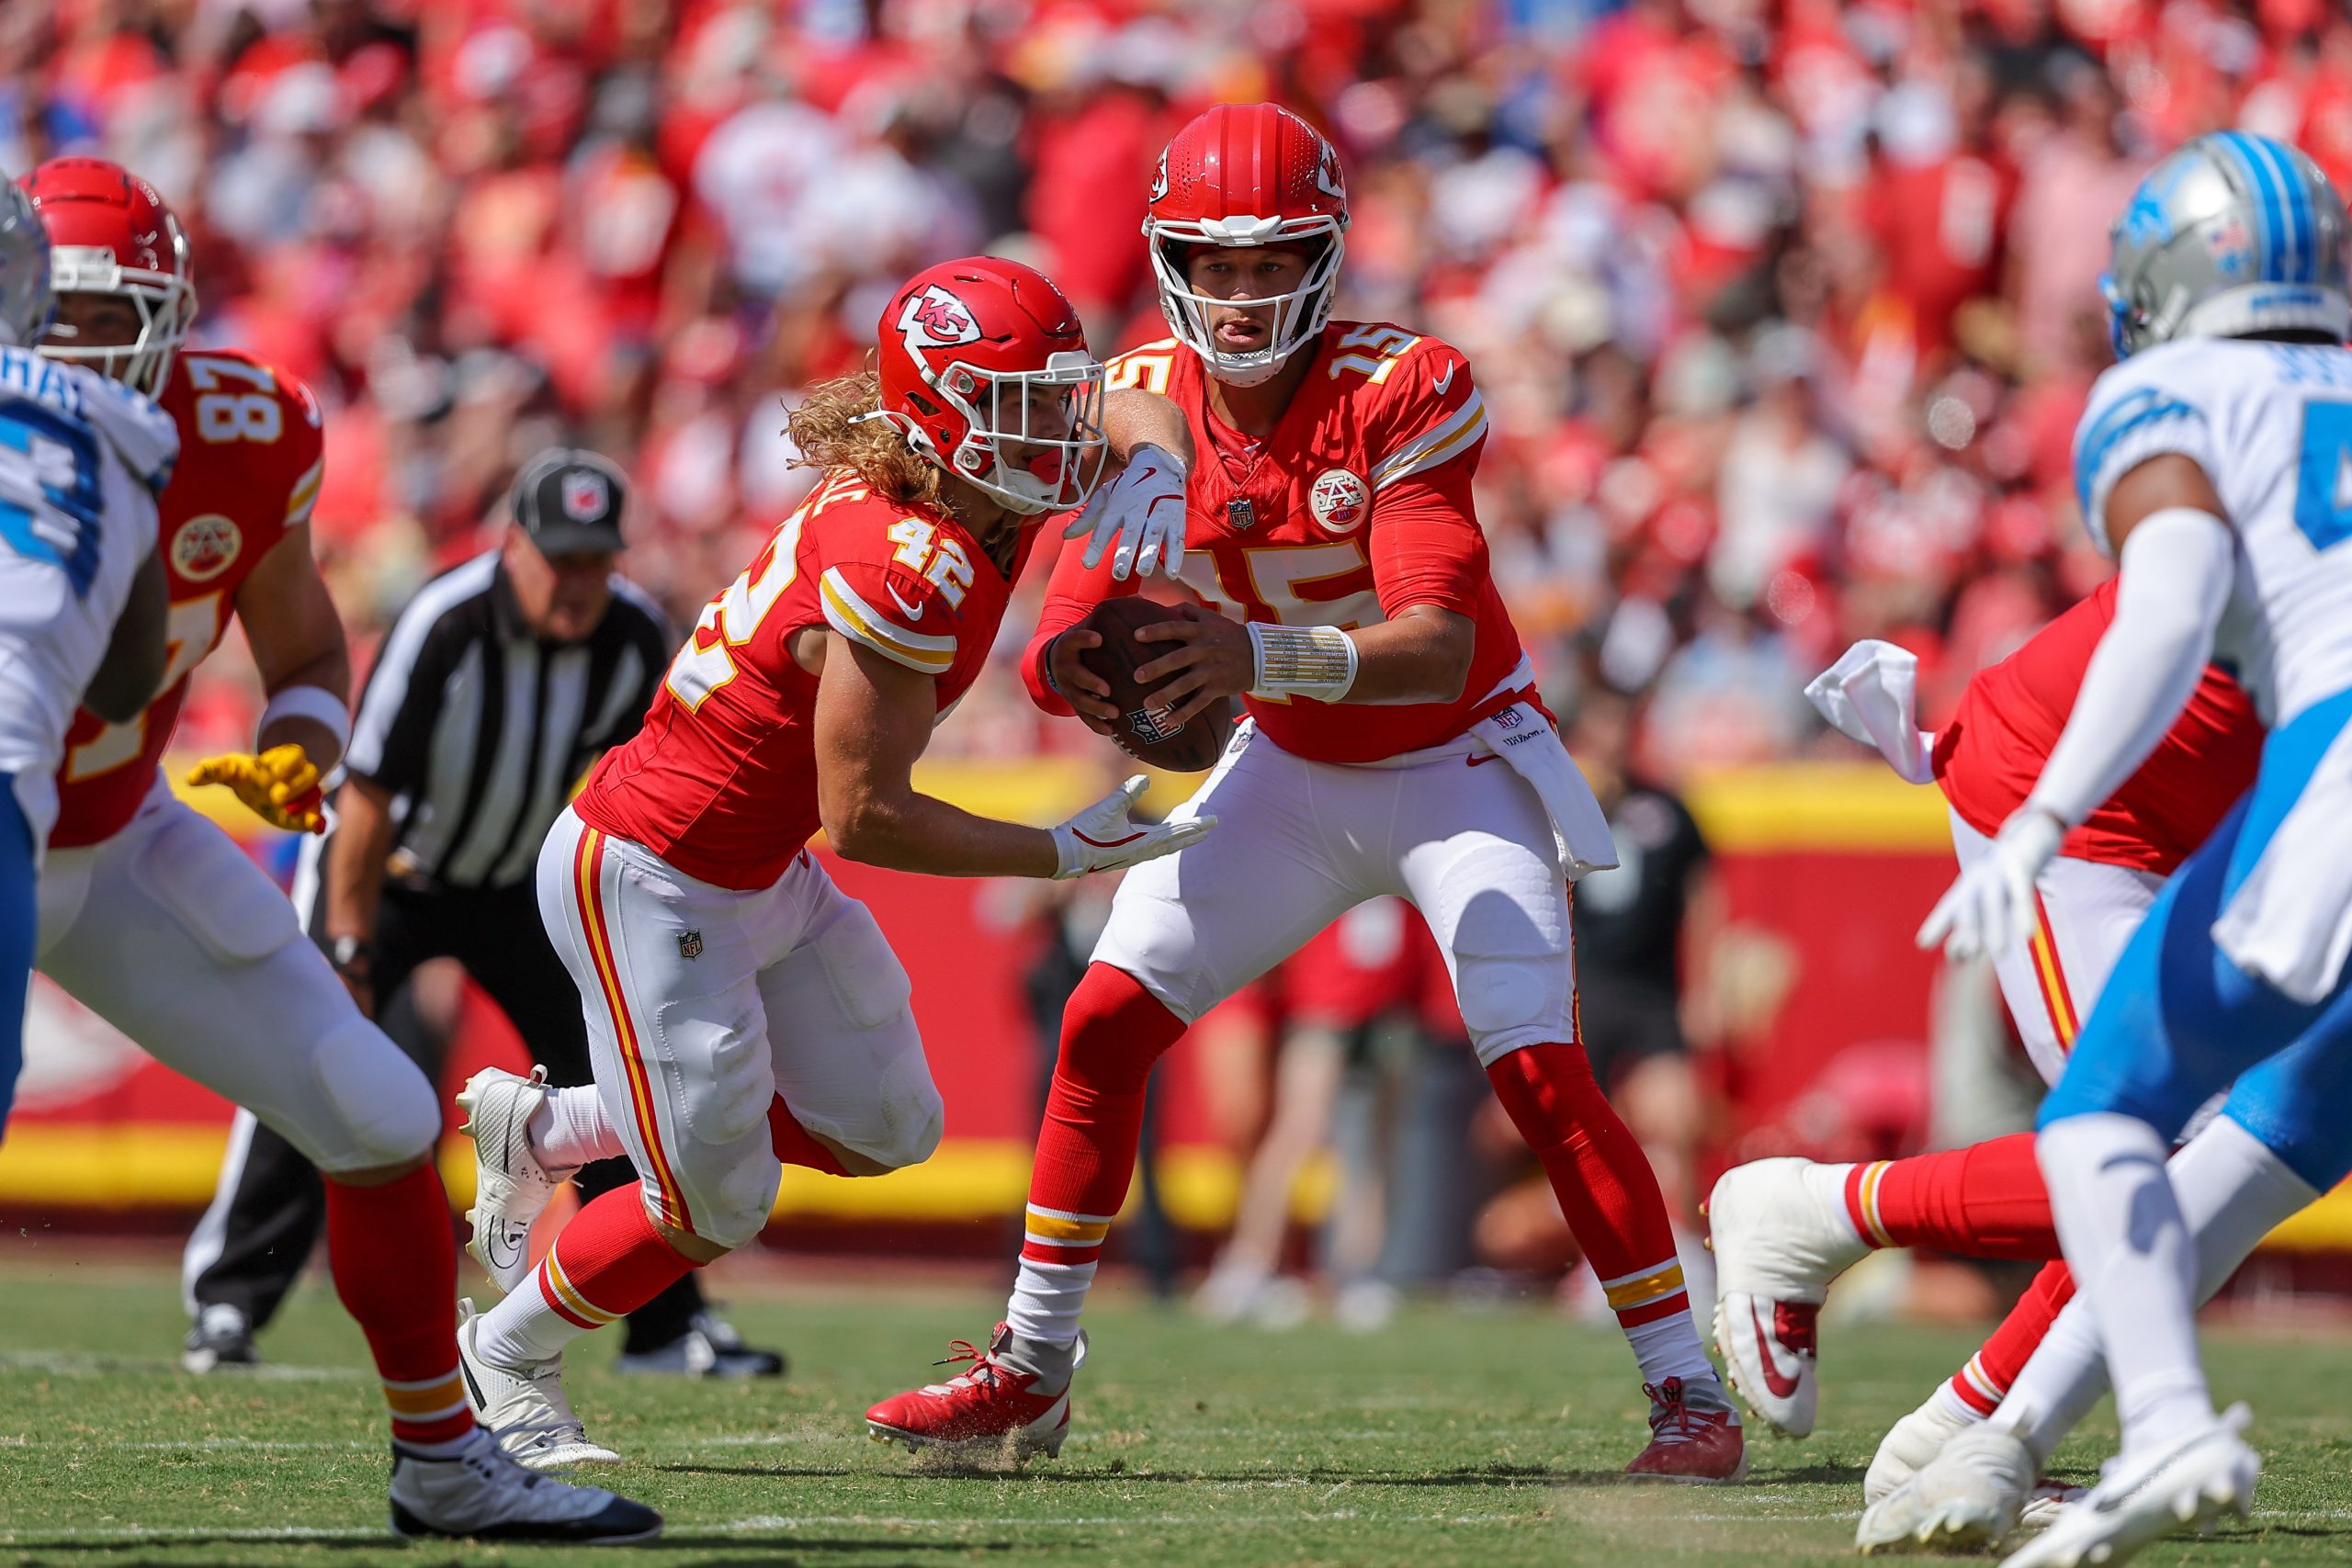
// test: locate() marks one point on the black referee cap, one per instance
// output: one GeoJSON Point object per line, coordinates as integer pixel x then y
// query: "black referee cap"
{"type": "Point", "coordinates": [569, 501]}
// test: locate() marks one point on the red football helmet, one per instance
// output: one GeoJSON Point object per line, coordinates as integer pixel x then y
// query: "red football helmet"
{"type": "Point", "coordinates": [110, 234]}
{"type": "Point", "coordinates": [1248, 174]}
{"type": "Point", "coordinates": [984, 369]}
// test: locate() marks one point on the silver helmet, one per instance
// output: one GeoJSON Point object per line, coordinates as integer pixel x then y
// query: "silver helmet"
{"type": "Point", "coordinates": [26, 305]}
{"type": "Point", "coordinates": [2232, 234]}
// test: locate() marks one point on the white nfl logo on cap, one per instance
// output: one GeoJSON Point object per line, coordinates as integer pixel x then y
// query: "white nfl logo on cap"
{"type": "Point", "coordinates": [586, 496]}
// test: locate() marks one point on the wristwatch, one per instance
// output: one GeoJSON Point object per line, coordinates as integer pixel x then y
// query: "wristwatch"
{"type": "Point", "coordinates": [349, 953]}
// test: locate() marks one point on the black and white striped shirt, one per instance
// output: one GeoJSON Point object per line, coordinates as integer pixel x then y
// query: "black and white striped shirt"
{"type": "Point", "coordinates": [480, 730]}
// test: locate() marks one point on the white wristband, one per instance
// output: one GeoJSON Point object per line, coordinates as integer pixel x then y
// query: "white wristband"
{"type": "Point", "coordinates": [316, 703]}
{"type": "Point", "coordinates": [1301, 661]}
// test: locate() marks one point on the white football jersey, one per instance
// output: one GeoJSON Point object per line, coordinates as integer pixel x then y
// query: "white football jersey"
{"type": "Point", "coordinates": [82, 460]}
{"type": "Point", "coordinates": [2271, 425]}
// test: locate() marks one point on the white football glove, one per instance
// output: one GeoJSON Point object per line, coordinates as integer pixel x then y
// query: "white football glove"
{"type": "Point", "coordinates": [1104, 838]}
{"type": "Point", "coordinates": [1143, 507]}
{"type": "Point", "coordinates": [1992, 903]}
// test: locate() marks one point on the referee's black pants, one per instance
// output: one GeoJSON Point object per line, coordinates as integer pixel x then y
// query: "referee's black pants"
{"type": "Point", "coordinates": [279, 1203]}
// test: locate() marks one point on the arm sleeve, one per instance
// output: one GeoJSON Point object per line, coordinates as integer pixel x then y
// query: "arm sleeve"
{"type": "Point", "coordinates": [1426, 547]}
{"type": "Point", "coordinates": [2175, 580]}
{"type": "Point", "coordinates": [1070, 593]}
{"type": "Point", "coordinates": [898, 614]}
{"type": "Point", "coordinates": [2139, 410]}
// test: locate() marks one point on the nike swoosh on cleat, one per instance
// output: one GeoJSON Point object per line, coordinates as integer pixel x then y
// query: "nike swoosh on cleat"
{"type": "Point", "coordinates": [1780, 1382]}
{"type": "Point", "coordinates": [504, 1246]}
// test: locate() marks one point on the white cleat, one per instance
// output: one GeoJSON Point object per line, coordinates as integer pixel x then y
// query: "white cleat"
{"type": "Point", "coordinates": [2186, 1485]}
{"type": "Point", "coordinates": [1966, 1499]}
{"type": "Point", "coordinates": [1911, 1445]}
{"type": "Point", "coordinates": [511, 1186]}
{"type": "Point", "coordinates": [524, 1407]}
{"type": "Point", "coordinates": [481, 1495]}
{"type": "Point", "coordinates": [1780, 1235]}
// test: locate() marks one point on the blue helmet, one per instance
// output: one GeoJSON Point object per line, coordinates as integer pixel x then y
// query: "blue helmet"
{"type": "Point", "coordinates": [2232, 234]}
{"type": "Point", "coordinates": [26, 304]}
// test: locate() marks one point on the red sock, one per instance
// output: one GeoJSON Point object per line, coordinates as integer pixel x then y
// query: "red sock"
{"type": "Point", "coordinates": [1602, 1178]}
{"type": "Point", "coordinates": [1112, 1031]}
{"type": "Point", "coordinates": [1986, 1201]}
{"type": "Point", "coordinates": [1984, 1381]}
{"type": "Point", "coordinates": [608, 1261]}
{"type": "Point", "coordinates": [792, 1144]}
{"type": "Point", "coordinates": [396, 1268]}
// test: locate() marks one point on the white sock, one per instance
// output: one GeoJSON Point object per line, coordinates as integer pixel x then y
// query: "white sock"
{"type": "Point", "coordinates": [1049, 1292]}
{"type": "Point", "coordinates": [569, 1129]}
{"type": "Point", "coordinates": [2058, 1384]}
{"type": "Point", "coordinates": [524, 1329]}
{"type": "Point", "coordinates": [1047, 1298]}
{"type": "Point", "coordinates": [1833, 1178]}
{"type": "Point", "coordinates": [2233, 1192]}
{"type": "Point", "coordinates": [1948, 1403]}
{"type": "Point", "coordinates": [1670, 1347]}
{"type": "Point", "coordinates": [2133, 1265]}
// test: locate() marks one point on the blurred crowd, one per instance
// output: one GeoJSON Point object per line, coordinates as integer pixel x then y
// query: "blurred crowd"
{"type": "Point", "coordinates": [1783, 308]}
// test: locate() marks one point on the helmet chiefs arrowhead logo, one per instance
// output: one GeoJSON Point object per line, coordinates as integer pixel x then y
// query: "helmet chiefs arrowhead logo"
{"type": "Point", "coordinates": [1328, 178]}
{"type": "Point", "coordinates": [1159, 180]}
{"type": "Point", "coordinates": [936, 319]}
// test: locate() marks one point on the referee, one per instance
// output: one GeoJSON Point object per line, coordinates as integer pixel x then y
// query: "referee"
{"type": "Point", "coordinates": [499, 685]}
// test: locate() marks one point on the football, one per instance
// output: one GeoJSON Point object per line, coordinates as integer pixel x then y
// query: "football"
{"type": "Point", "coordinates": [1142, 730]}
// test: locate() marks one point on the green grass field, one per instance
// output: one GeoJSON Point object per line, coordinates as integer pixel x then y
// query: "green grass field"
{"type": "Point", "coordinates": [1445, 1439]}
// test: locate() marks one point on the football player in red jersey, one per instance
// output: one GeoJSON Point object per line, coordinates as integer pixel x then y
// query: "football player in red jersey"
{"type": "Point", "coordinates": [744, 1012]}
{"type": "Point", "coordinates": [1394, 745]}
{"type": "Point", "coordinates": [156, 921]}
{"type": "Point", "coordinates": [1783, 1229]}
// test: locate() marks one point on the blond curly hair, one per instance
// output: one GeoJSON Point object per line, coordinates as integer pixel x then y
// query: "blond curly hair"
{"type": "Point", "coordinates": [828, 429]}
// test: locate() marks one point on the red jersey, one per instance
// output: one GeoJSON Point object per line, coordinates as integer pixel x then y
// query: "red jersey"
{"type": "Point", "coordinates": [1990, 754]}
{"type": "Point", "coordinates": [722, 781]}
{"type": "Point", "coordinates": [251, 457]}
{"type": "Point", "coordinates": [1355, 507]}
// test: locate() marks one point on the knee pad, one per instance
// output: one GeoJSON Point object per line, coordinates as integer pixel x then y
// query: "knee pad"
{"type": "Point", "coordinates": [909, 1115]}
{"type": "Point", "coordinates": [383, 1105]}
{"type": "Point", "coordinates": [1510, 1001]}
{"type": "Point", "coordinates": [724, 1077]}
{"type": "Point", "coordinates": [233, 911]}
{"type": "Point", "coordinates": [738, 1198]}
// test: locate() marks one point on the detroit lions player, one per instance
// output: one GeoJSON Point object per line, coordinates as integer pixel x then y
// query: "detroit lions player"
{"type": "Point", "coordinates": [82, 591]}
{"type": "Point", "coordinates": [2216, 462]}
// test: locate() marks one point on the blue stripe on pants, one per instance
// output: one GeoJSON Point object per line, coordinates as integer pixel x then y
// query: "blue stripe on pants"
{"type": "Point", "coordinates": [19, 917]}
{"type": "Point", "coordinates": [2176, 1021]}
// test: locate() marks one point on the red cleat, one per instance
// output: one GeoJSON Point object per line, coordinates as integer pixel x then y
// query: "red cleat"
{"type": "Point", "coordinates": [1694, 1437]}
{"type": "Point", "coordinates": [991, 1404]}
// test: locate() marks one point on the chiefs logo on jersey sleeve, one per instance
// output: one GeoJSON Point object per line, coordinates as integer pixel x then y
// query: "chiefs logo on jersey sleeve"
{"type": "Point", "coordinates": [205, 546]}
{"type": "Point", "coordinates": [1340, 501]}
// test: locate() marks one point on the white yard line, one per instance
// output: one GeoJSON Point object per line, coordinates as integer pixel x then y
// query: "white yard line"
{"type": "Point", "coordinates": [775, 1524]}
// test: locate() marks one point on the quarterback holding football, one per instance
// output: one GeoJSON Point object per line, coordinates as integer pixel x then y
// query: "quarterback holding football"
{"type": "Point", "coordinates": [1394, 744]}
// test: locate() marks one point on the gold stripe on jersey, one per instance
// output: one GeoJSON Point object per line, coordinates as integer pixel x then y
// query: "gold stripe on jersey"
{"type": "Point", "coordinates": [305, 495]}
{"type": "Point", "coordinates": [857, 620]}
{"type": "Point", "coordinates": [1448, 440]}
